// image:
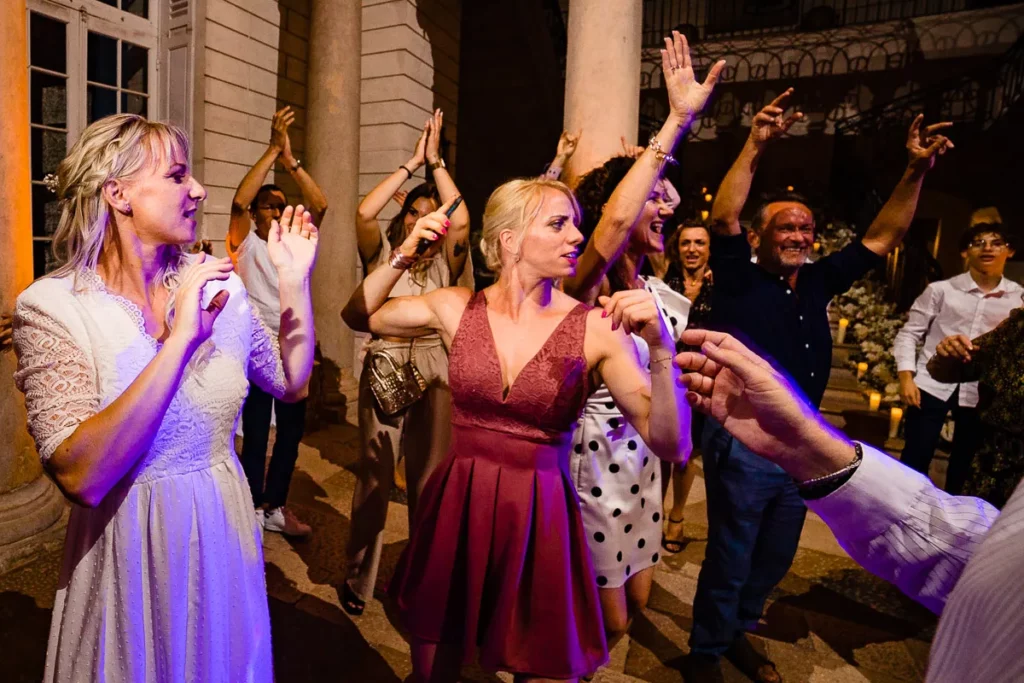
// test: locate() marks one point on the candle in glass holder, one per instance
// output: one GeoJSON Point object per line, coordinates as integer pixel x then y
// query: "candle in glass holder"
{"type": "Point", "coordinates": [895, 415]}
{"type": "Point", "coordinates": [841, 334]}
{"type": "Point", "coordinates": [874, 400]}
{"type": "Point", "coordinates": [704, 215]}
{"type": "Point", "coordinates": [862, 369]}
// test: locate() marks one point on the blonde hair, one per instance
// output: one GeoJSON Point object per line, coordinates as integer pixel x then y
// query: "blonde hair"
{"type": "Point", "coordinates": [513, 206]}
{"type": "Point", "coordinates": [112, 148]}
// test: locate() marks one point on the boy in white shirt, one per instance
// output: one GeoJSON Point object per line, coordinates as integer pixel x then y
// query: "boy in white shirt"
{"type": "Point", "coordinates": [970, 304]}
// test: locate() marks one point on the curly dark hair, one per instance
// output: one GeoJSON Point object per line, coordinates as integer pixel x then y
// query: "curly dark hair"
{"type": "Point", "coordinates": [985, 228]}
{"type": "Point", "coordinates": [596, 187]}
{"type": "Point", "coordinates": [396, 228]}
{"type": "Point", "coordinates": [593, 192]}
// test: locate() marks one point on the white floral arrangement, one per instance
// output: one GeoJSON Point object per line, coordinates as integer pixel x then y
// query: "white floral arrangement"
{"type": "Point", "coordinates": [873, 321]}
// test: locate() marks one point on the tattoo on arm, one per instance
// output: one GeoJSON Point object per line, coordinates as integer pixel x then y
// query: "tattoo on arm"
{"type": "Point", "coordinates": [460, 248]}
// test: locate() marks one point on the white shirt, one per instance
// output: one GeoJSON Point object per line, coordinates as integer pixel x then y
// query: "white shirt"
{"type": "Point", "coordinates": [948, 307]}
{"type": "Point", "coordinates": [958, 556]}
{"type": "Point", "coordinates": [260, 278]}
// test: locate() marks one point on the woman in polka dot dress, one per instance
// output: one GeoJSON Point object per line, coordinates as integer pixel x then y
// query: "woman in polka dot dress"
{"type": "Point", "coordinates": [617, 477]}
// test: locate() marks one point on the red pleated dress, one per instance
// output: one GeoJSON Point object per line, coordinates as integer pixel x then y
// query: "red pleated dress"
{"type": "Point", "coordinates": [497, 560]}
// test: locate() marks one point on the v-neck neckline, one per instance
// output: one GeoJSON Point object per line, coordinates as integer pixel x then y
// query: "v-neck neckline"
{"type": "Point", "coordinates": [505, 393]}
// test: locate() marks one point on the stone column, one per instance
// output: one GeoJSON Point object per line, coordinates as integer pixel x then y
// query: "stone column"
{"type": "Point", "coordinates": [30, 506]}
{"type": "Point", "coordinates": [332, 151]}
{"type": "Point", "coordinates": [602, 78]}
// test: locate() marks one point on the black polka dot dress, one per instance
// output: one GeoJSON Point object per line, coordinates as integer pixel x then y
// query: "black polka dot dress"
{"type": "Point", "coordinates": [617, 478]}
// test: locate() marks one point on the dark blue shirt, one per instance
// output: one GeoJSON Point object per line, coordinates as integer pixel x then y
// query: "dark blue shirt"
{"type": "Point", "coordinates": [787, 326]}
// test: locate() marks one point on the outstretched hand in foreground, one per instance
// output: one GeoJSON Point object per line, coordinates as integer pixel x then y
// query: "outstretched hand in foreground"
{"type": "Point", "coordinates": [758, 405]}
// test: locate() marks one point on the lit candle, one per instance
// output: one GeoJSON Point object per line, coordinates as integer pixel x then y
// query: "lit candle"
{"type": "Point", "coordinates": [862, 369]}
{"type": "Point", "coordinates": [817, 247]}
{"type": "Point", "coordinates": [789, 188]}
{"type": "Point", "coordinates": [874, 400]}
{"type": "Point", "coordinates": [708, 197]}
{"type": "Point", "coordinates": [895, 415]}
{"type": "Point", "coordinates": [704, 215]}
{"type": "Point", "coordinates": [841, 335]}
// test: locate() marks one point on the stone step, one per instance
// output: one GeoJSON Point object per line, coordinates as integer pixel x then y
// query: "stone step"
{"type": "Point", "coordinates": [841, 354]}
{"type": "Point", "coordinates": [843, 379]}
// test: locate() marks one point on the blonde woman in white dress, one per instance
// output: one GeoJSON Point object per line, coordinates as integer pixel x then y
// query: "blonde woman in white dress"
{"type": "Point", "coordinates": [134, 359]}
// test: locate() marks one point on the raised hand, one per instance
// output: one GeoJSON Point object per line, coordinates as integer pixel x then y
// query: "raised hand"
{"type": "Point", "coordinates": [769, 124]}
{"type": "Point", "coordinates": [292, 243]}
{"type": "Point", "coordinates": [420, 154]}
{"type": "Point", "coordinates": [567, 144]}
{"type": "Point", "coordinates": [686, 97]}
{"type": "Point", "coordinates": [193, 324]}
{"type": "Point", "coordinates": [631, 151]}
{"type": "Point", "coordinates": [431, 227]}
{"type": "Point", "coordinates": [924, 143]}
{"type": "Point", "coordinates": [636, 312]}
{"type": "Point", "coordinates": [279, 138]}
{"type": "Point", "coordinates": [434, 125]}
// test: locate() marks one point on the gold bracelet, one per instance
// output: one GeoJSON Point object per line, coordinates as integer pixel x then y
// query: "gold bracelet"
{"type": "Point", "coordinates": [400, 261]}
{"type": "Point", "coordinates": [659, 153]}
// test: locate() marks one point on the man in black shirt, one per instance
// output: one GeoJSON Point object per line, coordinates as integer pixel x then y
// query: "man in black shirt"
{"type": "Point", "coordinates": [776, 306]}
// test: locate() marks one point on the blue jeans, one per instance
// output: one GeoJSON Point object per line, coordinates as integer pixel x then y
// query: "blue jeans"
{"type": "Point", "coordinates": [755, 517]}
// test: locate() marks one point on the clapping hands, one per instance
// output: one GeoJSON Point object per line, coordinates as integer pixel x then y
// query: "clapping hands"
{"type": "Point", "coordinates": [292, 243]}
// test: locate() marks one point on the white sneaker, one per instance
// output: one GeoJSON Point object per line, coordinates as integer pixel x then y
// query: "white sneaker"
{"type": "Point", "coordinates": [261, 521]}
{"type": "Point", "coordinates": [283, 521]}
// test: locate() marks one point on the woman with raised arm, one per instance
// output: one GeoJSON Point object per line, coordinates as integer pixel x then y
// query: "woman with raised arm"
{"type": "Point", "coordinates": [625, 202]}
{"type": "Point", "coordinates": [134, 358]}
{"type": "Point", "coordinates": [382, 434]}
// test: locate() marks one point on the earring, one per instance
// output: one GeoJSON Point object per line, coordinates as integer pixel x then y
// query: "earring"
{"type": "Point", "coordinates": [127, 209]}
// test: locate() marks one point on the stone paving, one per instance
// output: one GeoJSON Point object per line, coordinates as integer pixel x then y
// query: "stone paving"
{"type": "Point", "coordinates": [829, 621]}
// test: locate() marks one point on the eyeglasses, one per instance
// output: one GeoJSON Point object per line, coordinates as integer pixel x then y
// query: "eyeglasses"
{"type": "Point", "coordinates": [996, 244]}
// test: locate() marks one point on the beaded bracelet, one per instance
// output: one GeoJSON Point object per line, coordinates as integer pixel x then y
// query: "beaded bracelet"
{"type": "Point", "coordinates": [819, 487]}
{"type": "Point", "coordinates": [659, 153]}
{"type": "Point", "coordinates": [400, 261]}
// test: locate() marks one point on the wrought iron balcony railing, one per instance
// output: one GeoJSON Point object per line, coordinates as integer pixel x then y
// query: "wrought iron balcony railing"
{"type": "Point", "coordinates": [721, 19]}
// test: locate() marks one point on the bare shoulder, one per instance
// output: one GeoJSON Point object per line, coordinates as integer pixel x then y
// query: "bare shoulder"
{"type": "Point", "coordinates": [449, 303]}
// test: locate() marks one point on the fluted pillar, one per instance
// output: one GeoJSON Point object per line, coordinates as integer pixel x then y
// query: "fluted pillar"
{"type": "Point", "coordinates": [30, 506]}
{"type": "Point", "coordinates": [602, 78]}
{"type": "Point", "coordinates": [332, 149]}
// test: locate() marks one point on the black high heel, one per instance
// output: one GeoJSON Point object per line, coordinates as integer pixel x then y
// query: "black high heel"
{"type": "Point", "coordinates": [352, 603]}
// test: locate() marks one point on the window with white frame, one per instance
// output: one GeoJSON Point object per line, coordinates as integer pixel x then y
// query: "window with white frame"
{"type": "Point", "coordinates": [87, 59]}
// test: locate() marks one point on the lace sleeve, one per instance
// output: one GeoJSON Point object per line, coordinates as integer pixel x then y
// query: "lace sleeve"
{"type": "Point", "coordinates": [56, 376]}
{"type": "Point", "coordinates": [266, 368]}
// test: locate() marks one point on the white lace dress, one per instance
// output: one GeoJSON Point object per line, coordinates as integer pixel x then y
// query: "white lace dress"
{"type": "Point", "coordinates": [164, 580]}
{"type": "Point", "coordinates": [617, 477]}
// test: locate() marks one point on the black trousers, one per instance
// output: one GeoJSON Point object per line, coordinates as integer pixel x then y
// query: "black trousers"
{"type": "Point", "coordinates": [922, 431]}
{"type": "Point", "coordinates": [291, 422]}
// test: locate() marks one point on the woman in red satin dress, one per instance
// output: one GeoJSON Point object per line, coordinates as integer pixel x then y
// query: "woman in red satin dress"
{"type": "Point", "coordinates": [497, 564]}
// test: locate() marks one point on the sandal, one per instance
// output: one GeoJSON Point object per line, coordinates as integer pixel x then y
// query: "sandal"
{"type": "Point", "coordinates": [352, 603]}
{"type": "Point", "coordinates": [673, 545]}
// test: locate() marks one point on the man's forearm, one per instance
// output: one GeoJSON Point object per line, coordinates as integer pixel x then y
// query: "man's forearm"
{"type": "Point", "coordinates": [734, 190]}
{"type": "Point", "coordinates": [312, 195]}
{"type": "Point", "coordinates": [893, 221]}
{"type": "Point", "coordinates": [253, 179]}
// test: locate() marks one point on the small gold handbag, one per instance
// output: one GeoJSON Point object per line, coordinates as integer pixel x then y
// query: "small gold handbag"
{"type": "Point", "coordinates": [399, 386]}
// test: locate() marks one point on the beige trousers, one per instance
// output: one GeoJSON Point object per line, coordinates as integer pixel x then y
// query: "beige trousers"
{"type": "Point", "coordinates": [420, 433]}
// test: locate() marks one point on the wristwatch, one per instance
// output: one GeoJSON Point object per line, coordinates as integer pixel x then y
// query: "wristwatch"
{"type": "Point", "coordinates": [436, 165]}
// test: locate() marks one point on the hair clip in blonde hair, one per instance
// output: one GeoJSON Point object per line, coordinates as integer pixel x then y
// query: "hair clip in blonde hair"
{"type": "Point", "coordinates": [51, 182]}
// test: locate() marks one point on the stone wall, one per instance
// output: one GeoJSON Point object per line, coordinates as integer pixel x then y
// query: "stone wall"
{"type": "Point", "coordinates": [255, 62]}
